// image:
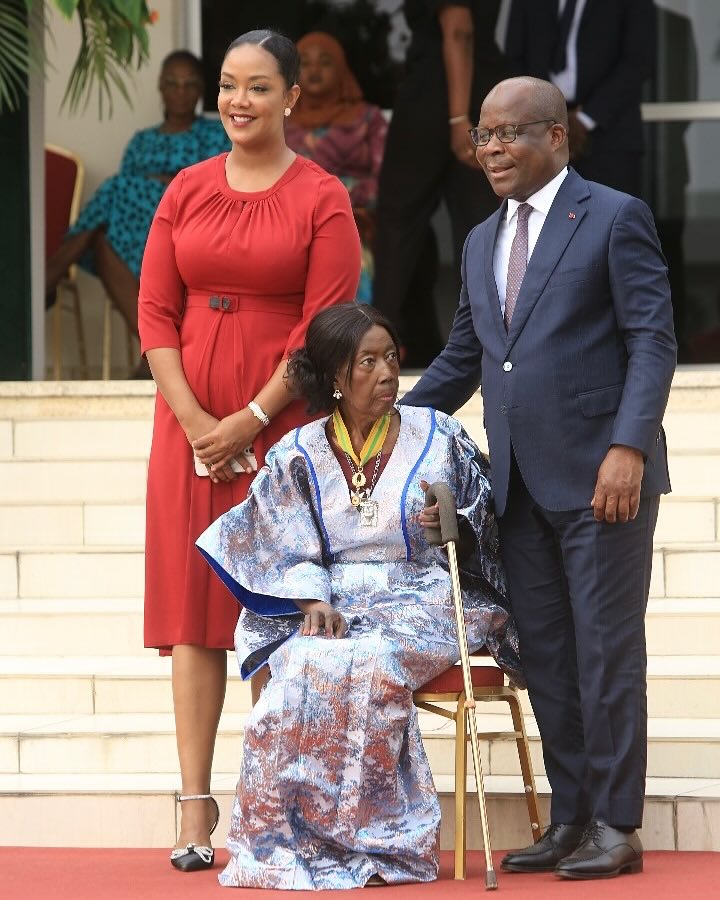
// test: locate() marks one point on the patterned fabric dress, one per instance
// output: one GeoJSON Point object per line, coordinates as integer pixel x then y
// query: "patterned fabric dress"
{"type": "Point", "coordinates": [125, 203]}
{"type": "Point", "coordinates": [353, 152]}
{"type": "Point", "coordinates": [335, 785]}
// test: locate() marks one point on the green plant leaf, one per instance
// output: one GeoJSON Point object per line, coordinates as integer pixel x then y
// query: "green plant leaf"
{"type": "Point", "coordinates": [132, 10]}
{"type": "Point", "coordinates": [15, 60]}
{"type": "Point", "coordinates": [66, 7]}
{"type": "Point", "coordinates": [114, 40]}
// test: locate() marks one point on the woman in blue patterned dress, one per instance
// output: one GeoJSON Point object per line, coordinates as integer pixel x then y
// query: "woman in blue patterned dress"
{"type": "Point", "coordinates": [351, 609]}
{"type": "Point", "coordinates": [109, 236]}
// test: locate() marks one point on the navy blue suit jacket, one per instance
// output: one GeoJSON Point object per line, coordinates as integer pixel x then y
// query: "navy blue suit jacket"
{"type": "Point", "coordinates": [589, 357]}
{"type": "Point", "coordinates": [615, 56]}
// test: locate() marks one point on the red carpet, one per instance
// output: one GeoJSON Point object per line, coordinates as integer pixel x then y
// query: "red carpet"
{"type": "Point", "coordinates": [30, 873]}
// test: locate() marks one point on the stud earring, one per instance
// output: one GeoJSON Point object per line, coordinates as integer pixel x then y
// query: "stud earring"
{"type": "Point", "coordinates": [287, 110]}
{"type": "Point", "coordinates": [337, 394]}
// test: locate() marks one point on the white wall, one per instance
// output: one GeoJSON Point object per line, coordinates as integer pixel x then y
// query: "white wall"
{"type": "Point", "coordinates": [100, 145]}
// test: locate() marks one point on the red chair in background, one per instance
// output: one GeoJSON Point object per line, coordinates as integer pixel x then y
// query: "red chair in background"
{"type": "Point", "coordinates": [64, 176]}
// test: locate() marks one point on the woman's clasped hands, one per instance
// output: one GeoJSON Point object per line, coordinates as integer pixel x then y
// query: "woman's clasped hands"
{"type": "Point", "coordinates": [321, 619]}
{"type": "Point", "coordinates": [216, 443]}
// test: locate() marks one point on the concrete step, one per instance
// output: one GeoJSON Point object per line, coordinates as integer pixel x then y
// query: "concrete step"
{"type": "Point", "coordinates": [690, 626]}
{"type": "Point", "coordinates": [130, 810]}
{"type": "Point", "coordinates": [77, 437]}
{"type": "Point", "coordinates": [686, 570]}
{"type": "Point", "coordinates": [82, 439]}
{"type": "Point", "coordinates": [70, 572]}
{"type": "Point", "coordinates": [679, 570]}
{"type": "Point", "coordinates": [74, 627]}
{"type": "Point", "coordinates": [74, 525]}
{"type": "Point", "coordinates": [80, 685]}
{"type": "Point", "coordinates": [145, 742]}
{"type": "Point", "coordinates": [94, 481]}
{"type": "Point", "coordinates": [78, 524]}
{"type": "Point", "coordinates": [688, 519]}
{"type": "Point", "coordinates": [78, 626]}
{"type": "Point", "coordinates": [692, 431]}
{"type": "Point", "coordinates": [678, 686]}
{"type": "Point", "coordinates": [695, 474]}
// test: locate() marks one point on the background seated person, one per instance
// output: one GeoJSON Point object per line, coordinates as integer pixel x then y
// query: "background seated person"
{"type": "Point", "coordinates": [332, 125]}
{"type": "Point", "coordinates": [109, 236]}
{"type": "Point", "coordinates": [352, 611]}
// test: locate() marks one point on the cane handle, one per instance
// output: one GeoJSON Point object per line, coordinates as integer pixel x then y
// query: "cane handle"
{"type": "Point", "coordinates": [441, 494]}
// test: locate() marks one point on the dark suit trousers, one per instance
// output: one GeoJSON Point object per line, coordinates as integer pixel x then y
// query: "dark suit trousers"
{"type": "Point", "coordinates": [579, 589]}
{"type": "Point", "coordinates": [418, 172]}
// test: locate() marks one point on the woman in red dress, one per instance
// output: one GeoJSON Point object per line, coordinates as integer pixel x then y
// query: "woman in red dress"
{"type": "Point", "coordinates": [244, 249]}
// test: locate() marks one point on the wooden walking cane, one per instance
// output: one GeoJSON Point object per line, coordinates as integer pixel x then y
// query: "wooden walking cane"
{"type": "Point", "coordinates": [448, 535]}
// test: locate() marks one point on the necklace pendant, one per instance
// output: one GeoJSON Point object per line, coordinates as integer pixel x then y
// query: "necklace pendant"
{"type": "Point", "coordinates": [369, 513]}
{"type": "Point", "coordinates": [359, 479]}
{"type": "Point", "coordinates": [355, 499]}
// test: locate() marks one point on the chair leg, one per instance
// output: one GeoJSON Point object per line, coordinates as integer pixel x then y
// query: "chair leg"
{"type": "Point", "coordinates": [523, 748]}
{"type": "Point", "coordinates": [460, 788]}
{"type": "Point", "coordinates": [107, 340]}
{"type": "Point", "coordinates": [131, 355]}
{"type": "Point", "coordinates": [79, 330]}
{"type": "Point", "coordinates": [57, 336]}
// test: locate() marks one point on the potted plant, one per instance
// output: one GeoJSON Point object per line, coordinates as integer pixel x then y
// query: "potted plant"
{"type": "Point", "coordinates": [113, 40]}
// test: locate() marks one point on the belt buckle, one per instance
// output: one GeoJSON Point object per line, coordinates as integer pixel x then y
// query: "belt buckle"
{"type": "Point", "coordinates": [214, 303]}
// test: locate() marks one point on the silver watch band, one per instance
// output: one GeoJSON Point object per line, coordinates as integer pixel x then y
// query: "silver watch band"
{"type": "Point", "coordinates": [257, 411]}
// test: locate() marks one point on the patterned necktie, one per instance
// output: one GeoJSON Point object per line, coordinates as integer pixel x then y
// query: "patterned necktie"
{"type": "Point", "coordinates": [559, 57]}
{"type": "Point", "coordinates": [517, 262]}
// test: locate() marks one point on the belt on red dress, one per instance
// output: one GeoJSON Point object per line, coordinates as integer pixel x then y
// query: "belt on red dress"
{"type": "Point", "coordinates": [285, 304]}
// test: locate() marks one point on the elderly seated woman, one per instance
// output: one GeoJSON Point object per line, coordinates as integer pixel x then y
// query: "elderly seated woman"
{"type": "Point", "coordinates": [351, 609]}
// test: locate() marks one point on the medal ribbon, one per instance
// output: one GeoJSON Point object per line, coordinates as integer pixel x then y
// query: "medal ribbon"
{"type": "Point", "coordinates": [373, 443]}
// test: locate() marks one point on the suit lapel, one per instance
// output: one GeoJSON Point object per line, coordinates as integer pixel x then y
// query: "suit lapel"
{"type": "Point", "coordinates": [491, 291]}
{"type": "Point", "coordinates": [562, 221]}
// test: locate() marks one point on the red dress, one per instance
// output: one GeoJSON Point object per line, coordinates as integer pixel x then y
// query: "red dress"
{"type": "Point", "coordinates": [231, 279]}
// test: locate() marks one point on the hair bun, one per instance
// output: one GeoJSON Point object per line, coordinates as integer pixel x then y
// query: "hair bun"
{"type": "Point", "coordinates": [307, 381]}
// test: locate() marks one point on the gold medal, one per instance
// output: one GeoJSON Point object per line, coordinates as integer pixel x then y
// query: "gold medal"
{"type": "Point", "coordinates": [360, 496]}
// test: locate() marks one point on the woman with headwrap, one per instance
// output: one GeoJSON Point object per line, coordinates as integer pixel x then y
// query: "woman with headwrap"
{"type": "Point", "coordinates": [333, 125]}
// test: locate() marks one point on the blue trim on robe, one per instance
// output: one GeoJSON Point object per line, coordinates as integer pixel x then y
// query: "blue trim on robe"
{"type": "Point", "coordinates": [318, 497]}
{"type": "Point", "coordinates": [259, 658]}
{"type": "Point", "coordinates": [403, 497]}
{"type": "Point", "coordinates": [262, 604]}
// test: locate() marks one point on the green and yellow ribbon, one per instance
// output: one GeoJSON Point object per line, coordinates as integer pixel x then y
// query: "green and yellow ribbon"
{"type": "Point", "coordinates": [373, 443]}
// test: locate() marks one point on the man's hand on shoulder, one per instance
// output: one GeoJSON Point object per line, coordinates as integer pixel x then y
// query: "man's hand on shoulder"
{"type": "Point", "coordinates": [617, 490]}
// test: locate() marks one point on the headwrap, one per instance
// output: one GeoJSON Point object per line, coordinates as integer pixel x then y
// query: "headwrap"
{"type": "Point", "coordinates": [341, 107]}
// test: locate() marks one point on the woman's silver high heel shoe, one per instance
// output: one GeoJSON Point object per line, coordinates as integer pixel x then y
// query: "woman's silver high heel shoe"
{"type": "Point", "coordinates": [193, 858]}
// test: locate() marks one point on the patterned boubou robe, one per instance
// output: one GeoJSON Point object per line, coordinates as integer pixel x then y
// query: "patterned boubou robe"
{"type": "Point", "coordinates": [335, 785]}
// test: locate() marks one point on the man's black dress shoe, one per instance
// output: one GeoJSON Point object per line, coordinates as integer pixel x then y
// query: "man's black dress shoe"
{"type": "Point", "coordinates": [558, 842]}
{"type": "Point", "coordinates": [604, 853]}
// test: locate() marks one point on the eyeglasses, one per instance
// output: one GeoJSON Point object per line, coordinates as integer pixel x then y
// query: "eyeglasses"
{"type": "Point", "coordinates": [506, 134]}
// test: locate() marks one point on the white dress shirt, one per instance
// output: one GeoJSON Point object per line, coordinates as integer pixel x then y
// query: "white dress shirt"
{"type": "Point", "coordinates": [567, 79]}
{"type": "Point", "coordinates": [541, 201]}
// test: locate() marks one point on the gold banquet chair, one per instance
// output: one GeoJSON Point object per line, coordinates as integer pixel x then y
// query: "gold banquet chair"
{"type": "Point", "coordinates": [108, 312]}
{"type": "Point", "coordinates": [64, 176]}
{"type": "Point", "coordinates": [488, 686]}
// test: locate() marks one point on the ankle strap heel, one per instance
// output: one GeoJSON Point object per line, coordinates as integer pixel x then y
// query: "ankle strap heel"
{"type": "Point", "coordinates": [181, 797]}
{"type": "Point", "coordinates": [193, 858]}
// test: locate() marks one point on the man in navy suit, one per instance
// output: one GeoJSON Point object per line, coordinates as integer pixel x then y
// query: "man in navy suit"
{"type": "Point", "coordinates": [599, 53]}
{"type": "Point", "coordinates": [565, 322]}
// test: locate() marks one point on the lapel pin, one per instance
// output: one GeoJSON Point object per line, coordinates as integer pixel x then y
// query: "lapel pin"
{"type": "Point", "coordinates": [571, 215]}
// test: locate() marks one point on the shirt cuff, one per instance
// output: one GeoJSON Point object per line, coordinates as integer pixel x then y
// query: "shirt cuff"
{"type": "Point", "coordinates": [585, 119]}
